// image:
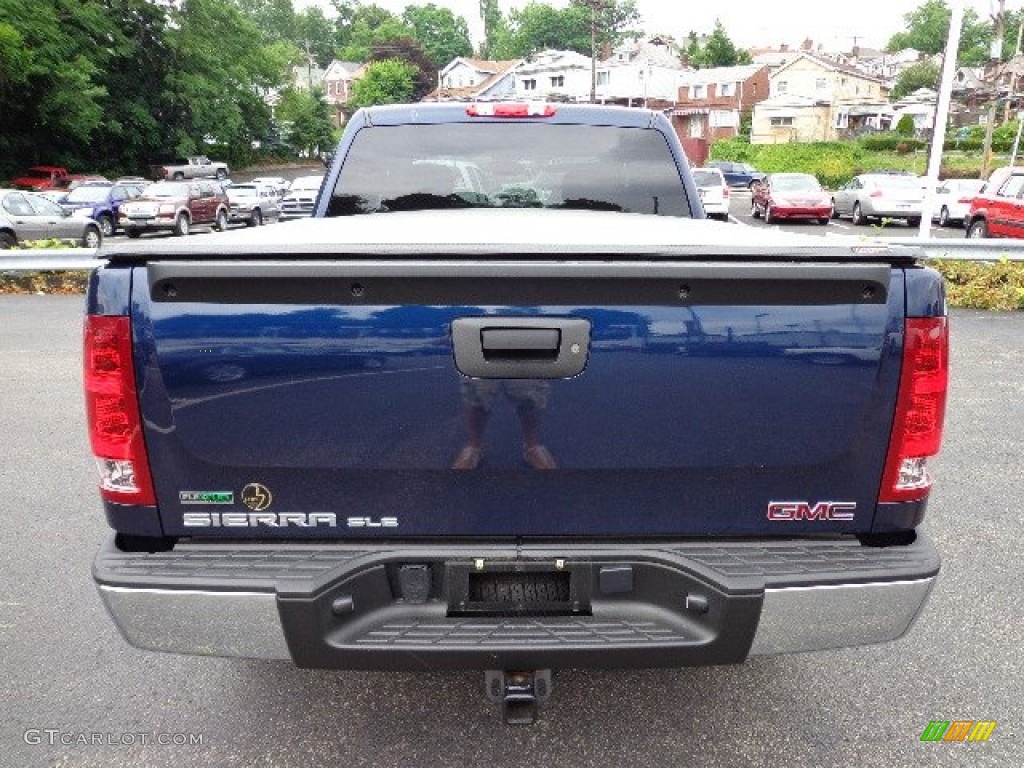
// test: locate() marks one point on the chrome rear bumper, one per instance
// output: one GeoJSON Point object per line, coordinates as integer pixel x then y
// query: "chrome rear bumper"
{"type": "Point", "coordinates": [685, 604]}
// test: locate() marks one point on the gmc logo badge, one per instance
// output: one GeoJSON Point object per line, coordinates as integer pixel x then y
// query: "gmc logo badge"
{"type": "Point", "coordinates": [802, 510]}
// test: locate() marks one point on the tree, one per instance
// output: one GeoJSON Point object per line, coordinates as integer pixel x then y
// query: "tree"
{"type": "Point", "coordinates": [923, 75]}
{"type": "Point", "coordinates": [408, 49]}
{"type": "Point", "coordinates": [443, 35]}
{"type": "Point", "coordinates": [137, 120]}
{"type": "Point", "coordinates": [385, 82]}
{"type": "Point", "coordinates": [364, 25]}
{"type": "Point", "coordinates": [905, 126]}
{"type": "Point", "coordinates": [217, 69]}
{"type": "Point", "coordinates": [495, 27]}
{"type": "Point", "coordinates": [538, 26]}
{"type": "Point", "coordinates": [51, 86]}
{"type": "Point", "coordinates": [717, 51]}
{"type": "Point", "coordinates": [275, 19]}
{"type": "Point", "coordinates": [308, 117]}
{"type": "Point", "coordinates": [314, 36]}
{"type": "Point", "coordinates": [614, 20]}
{"type": "Point", "coordinates": [927, 27]}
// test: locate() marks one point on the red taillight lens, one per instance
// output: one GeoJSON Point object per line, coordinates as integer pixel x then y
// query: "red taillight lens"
{"type": "Point", "coordinates": [725, 191]}
{"type": "Point", "coordinates": [920, 410]}
{"type": "Point", "coordinates": [112, 411]}
{"type": "Point", "coordinates": [876, 193]}
{"type": "Point", "coordinates": [524, 109]}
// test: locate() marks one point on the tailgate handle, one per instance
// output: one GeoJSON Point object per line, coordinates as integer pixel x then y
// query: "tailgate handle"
{"type": "Point", "coordinates": [522, 343]}
{"type": "Point", "coordinates": [520, 347]}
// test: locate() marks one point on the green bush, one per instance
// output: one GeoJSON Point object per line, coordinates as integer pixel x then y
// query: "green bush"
{"type": "Point", "coordinates": [905, 126]}
{"type": "Point", "coordinates": [50, 242]}
{"type": "Point", "coordinates": [62, 283]}
{"type": "Point", "coordinates": [965, 145]}
{"type": "Point", "coordinates": [889, 142]}
{"type": "Point", "coordinates": [983, 285]}
{"type": "Point", "coordinates": [831, 162]}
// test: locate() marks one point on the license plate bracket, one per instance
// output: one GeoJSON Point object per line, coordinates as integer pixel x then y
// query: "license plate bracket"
{"type": "Point", "coordinates": [518, 588]}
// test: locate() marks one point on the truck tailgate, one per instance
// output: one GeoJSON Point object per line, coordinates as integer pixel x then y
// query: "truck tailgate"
{"type": "Point", "coordinates": [324, 398]}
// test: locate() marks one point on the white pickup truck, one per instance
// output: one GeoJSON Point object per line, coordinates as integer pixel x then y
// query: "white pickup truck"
{"type": "Point", "coordinates": [196, 167]}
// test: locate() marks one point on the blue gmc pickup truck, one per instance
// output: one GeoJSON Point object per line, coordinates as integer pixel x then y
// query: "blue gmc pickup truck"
{"type": "Point", "coordinates": [509, 402]}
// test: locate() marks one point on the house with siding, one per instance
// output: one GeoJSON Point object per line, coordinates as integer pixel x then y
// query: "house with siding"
{"type": "Point", "coordinates": [554, 75]}
{"type": "Point", "coordinates": [712, 104]}
{"type": "Point", "coordinates": [641, 73]}
{"type": "Point", "coordinates": [813, 98]}
{"type": "Point", "coordinates": [337, 83]}
{"type": "Point", "coordinates": [468, 78]}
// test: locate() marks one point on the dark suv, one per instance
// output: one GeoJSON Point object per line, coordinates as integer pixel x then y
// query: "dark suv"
{"type": "Point", "coordinates": [177, 206]}
{"type": "Point", "coordinates": [737, 174]}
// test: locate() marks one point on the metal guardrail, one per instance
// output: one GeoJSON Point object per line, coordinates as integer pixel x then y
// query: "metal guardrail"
{"type": "Point", "coordinates": [50, 259]}
{"type": "Point", "coordinates": [966, 249]}
{"type": "Point", "coordinates": [949, 249]}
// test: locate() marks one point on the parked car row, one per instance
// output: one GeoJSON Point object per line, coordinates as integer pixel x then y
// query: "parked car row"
{"type": "Point", "coordinates": [985, 209]}
{"type": "Point", "coordinates": [88, 209]}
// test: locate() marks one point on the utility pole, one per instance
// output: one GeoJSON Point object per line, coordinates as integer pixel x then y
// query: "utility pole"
{"type": "Point", "coordinates": [997, 57]}
{"type": "Point", "coordinates": [594, 6]}
{"type": "Point", "coordinates": [1013, 74]}
{"type": "Point", "coordinates": [956, 20]}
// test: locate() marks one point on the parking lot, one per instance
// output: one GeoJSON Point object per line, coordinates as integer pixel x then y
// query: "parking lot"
{"type": "Point", "coordinates": [76, 694]}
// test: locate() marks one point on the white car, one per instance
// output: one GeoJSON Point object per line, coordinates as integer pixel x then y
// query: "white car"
{"type": "Point", "coordinates": [953, 200]}
{"type": "Point", "coordinates": [714, 192]}
{"type": "Point", "coordinates": [278, 184]}
{"type": "Point", "coordinates": [298, 202]}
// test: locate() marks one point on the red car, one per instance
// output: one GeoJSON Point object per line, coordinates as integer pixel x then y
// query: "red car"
{"type": "Point", "coordinates": [998, 211]}
{"type": "Point", "coordinates": [40, 177]}
{"type": "Point", "coordinates": [790, 196]}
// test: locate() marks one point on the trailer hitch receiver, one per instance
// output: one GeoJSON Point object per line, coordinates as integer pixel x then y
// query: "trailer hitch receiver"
{"type": "Point", "coordinates": [519, 693]}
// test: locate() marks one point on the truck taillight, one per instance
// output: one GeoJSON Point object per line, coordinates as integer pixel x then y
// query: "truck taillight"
{"type": "Point", "coordinates": [112, 411]}
{"type": "Point", "coordinates": [920, 410]}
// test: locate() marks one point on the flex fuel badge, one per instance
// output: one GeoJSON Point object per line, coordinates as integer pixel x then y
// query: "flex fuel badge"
{"type": "Point", "coordinates": [206, 497]}
{"type": "Point", "coordinates": [257, 497]}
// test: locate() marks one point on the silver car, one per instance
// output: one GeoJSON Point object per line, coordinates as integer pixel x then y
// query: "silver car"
{"type": "Point", "coordinates": [252, 204]}
{"type": "Point", "coordinates": [28, 216]}
{"type": "Point", "coordinates": [880, 196]}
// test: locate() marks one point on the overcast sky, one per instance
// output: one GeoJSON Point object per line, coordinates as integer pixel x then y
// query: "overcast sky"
{"type": "Point", "coordinates": [835, 23]}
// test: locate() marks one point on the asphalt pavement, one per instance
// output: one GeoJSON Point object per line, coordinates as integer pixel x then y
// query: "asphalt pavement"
{"type": "Point", "coordinates": [75, 694]}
